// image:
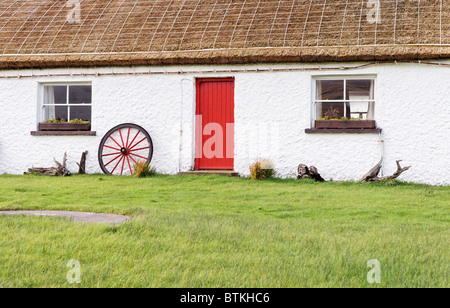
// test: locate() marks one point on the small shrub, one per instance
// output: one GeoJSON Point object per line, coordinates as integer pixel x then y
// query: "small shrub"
{"type": "Point", "coordinates": [143, 169]}
{"type": "Point", "coordinates": [54, 121]}
{"type": "Point", "coordinates": [73, 121]}
{"type": "Point", "coordinates": [262, 170]}
{"type": "Point", "coordinates": [79, 121]}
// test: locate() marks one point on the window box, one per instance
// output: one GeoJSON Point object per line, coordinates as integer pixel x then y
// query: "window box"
{"type": "Point", "coordinates": [64, 126]}
{"type": "Point", "coordinates": [63, 133]}
{"type": "Point", "coordinates": [343, 124]}
{"type": "Point", "coordinates": [342, 131]}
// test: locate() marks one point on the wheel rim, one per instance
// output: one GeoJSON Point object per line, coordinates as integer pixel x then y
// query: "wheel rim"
{"type": "Point", "coordinates": [124, 146]}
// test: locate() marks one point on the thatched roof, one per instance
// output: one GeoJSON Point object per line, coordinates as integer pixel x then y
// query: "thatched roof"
{"type": "Point", "coordinates": [50, 33]}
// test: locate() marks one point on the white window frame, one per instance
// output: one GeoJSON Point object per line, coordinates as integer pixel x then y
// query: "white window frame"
{"type": "Point", "coordinates": [42, 103]}
{"type": "Point", "coordinates": [345, 78]}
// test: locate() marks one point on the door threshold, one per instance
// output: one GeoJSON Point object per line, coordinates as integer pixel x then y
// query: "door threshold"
{"type": "Point", "coordinates": [211, 172]}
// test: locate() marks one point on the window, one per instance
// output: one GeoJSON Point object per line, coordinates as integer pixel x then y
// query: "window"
{"type": "Point", "coordinates": [344, 98]}
{"type": "Point", "coordinates": [67, 102]}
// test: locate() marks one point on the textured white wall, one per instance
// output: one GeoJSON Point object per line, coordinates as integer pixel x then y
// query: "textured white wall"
{"type": "Point", "coordinates": [272, 111]}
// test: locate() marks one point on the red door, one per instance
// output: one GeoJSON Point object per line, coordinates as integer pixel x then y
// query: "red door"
{"type": "Point", "coordinates": [215, 124]}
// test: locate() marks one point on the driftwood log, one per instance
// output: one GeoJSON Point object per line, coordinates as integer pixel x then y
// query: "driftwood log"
{"type": "Point", "coordinates": [82, 164]}
{"type": "Point", "coordinates": [309, 173]}
{"type": "Point", "coordinates": [59, 170]}
{"type": "Point", "coordinates": [372, 175]}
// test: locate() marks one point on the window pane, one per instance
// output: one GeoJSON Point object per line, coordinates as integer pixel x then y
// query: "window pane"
{"type": "Point", "coordinates": [55, 112]}
{"type": "Point", "coordinates": [61, 113]}
{"type": "Point", "coordinates": [60, 93]}
{"type": "Point", "coordinates": [359, 110]}
{"type": "Point", "coordinates": [361, 89]}
{"type": "Point", "coordinates": [55, 95]}
{"type": "Point", "coordinates": [49, 113]}
{"type": "Point", "coordinates": [358, 92]}
{"type": "Point", "coordinates": [330, 89]}
{"type": "Point", "coordinates": [80, 94]}
{"type": "Point", "coordinates": [82, 113]}
{"type": "Point", "coordinates": [332, 110]}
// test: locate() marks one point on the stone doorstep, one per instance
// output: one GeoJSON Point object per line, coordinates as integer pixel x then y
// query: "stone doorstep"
{"type": "Point", "coordinates": [211, 172]}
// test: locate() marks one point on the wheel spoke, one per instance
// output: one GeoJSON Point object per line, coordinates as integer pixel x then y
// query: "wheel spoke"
{"type": "Point", "coordinates": [123, 164]}
{"type": "Point", "coordinates": [139, 156]}
{"type": "Point", "coordinates": [117, 164]}
{"type": "Point", "coordinates": [113, 159]}
{"type": "Point", "coordinates": [128, 137]}
{"type": "Point", "coordinates": [132, 159]}
{"type": "Point", "coordinates": [139, 149]}
{"type": "Point", "coordinates": [129, 166]}
{"type": "Point", "coordinates": [107, 146]}
{"type": "Point", "coordinates": [134, 138]}
{"type": "Point", "coordinates": [115, 142]}
{"type": "Point", "coordinates": [121, 138]}
{"type": "Point", "coordinates": [117, 153]}
{"type": "Point", "coordinates": [137, 144]}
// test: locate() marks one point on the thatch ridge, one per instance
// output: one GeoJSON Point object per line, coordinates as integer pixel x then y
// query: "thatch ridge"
{"type": "Point", "coordinates": [44, 33]}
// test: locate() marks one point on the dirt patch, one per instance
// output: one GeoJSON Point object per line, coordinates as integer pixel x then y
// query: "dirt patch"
{"type": "Point", "coordinates": [75, 216]}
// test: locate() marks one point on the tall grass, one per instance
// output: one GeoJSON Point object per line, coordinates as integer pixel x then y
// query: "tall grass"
{"type": "Point", "coordinates": [225, 232]}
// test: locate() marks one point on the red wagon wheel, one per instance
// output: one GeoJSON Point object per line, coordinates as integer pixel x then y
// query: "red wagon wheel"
{"type": "Point", "coordinates": [122, 147]}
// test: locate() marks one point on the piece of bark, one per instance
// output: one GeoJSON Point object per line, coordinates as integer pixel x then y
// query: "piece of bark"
{"type": "Point", "coordinates": [82, 164]}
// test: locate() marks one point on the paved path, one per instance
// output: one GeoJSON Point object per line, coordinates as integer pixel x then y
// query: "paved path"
{"type": "Point", "coordinates": [75, 216]}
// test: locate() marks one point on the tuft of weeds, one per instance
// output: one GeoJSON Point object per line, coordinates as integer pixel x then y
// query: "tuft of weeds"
{"type": "Point", "coordinates": [389, 183]}
{"type": "Point", "coordinates": [142, 169]}
{"type": "Point", "coordinates": [262, 170]}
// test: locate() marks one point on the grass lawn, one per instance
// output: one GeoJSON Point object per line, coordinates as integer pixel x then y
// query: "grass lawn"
{"type": "Point", "coordinates": [225, 232]}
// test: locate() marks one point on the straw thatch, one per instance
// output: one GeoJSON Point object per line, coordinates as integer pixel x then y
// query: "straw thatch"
{"type": "Point", "coordinates": [53, 33]}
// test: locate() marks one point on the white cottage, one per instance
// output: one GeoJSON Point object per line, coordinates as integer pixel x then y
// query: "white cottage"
{"type": "Point", "coordinates": [218, 84]}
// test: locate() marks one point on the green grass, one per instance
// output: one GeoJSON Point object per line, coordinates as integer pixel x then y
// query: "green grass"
{"type": "Point", "coordinates": [225, 232]}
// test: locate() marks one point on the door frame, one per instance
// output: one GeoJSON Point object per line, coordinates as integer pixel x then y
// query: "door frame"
{"type": "Point", "coordinates": [198, 80]}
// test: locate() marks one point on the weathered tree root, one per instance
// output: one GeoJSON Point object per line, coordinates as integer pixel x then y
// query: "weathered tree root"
{"type": "Point", "coordinates": [59, 170]}
{"type": "Point", "coordinates": [372, 175]}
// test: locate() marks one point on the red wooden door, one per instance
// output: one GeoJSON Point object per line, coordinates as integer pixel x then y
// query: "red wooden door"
{"type": "Point", "coordinates": [215, 124]}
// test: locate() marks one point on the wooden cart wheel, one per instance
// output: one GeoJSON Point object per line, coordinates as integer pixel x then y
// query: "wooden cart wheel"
{"type": "Point", "coordinates": [122, 147]}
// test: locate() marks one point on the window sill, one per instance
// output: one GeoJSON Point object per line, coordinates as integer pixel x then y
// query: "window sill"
{"type": "Point", "coordinates": [63, 133]}
{"type": "Point", "coordinates": [343, 131]}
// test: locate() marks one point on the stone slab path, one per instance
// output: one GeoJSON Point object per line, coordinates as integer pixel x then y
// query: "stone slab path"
{"type": "Point", "coordinates": [75, 216]}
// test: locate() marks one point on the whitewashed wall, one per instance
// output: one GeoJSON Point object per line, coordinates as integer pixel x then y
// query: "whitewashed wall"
{"type": "Point", "coordinates": [273, 109]}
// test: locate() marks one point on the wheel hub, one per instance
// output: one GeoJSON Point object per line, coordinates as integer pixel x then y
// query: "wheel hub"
{"type": "Point", "coordinates": [124, 151]}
